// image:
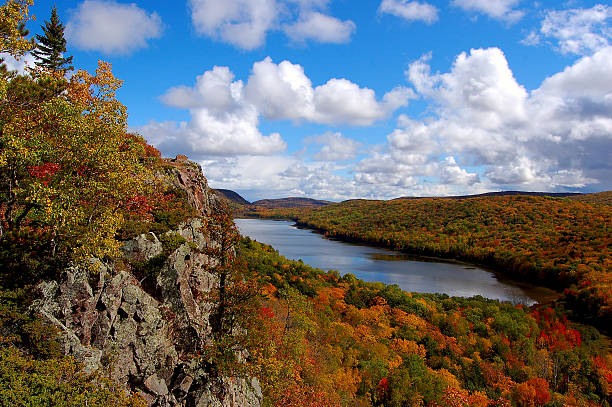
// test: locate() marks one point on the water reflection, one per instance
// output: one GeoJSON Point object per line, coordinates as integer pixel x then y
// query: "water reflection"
{"type": "Point", "coordinates": [373, 264]}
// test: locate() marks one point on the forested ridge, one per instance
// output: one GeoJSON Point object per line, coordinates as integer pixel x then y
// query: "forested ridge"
{"type": "Point", "coordinates": [604, 198]}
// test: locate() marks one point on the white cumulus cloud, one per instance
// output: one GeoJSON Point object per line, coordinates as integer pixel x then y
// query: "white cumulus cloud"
{"type": "Point", "coordinates": [222, 122]}
{"type": "Point", "coordinates": [19, 66]}
{"type": "Point", "coordinates": [246, 23]}
{"type": "Point", "coordinates": [410, 10]}
{"type": "Point", "coordinates": [559, 135]}
{"type": "Point", "coordinates": [589, 77]}
{"type": "Point", "coordinates": [481, 87]}
{"type": "Point", "coordinates": [342, 101]}
{"type": "Point", "coordinates": [243, 23]}
{"type": "Point", "coordinates": [321, 28]}
{"type": "Point", "coordinates": [223, 131]}
{"type": "Point", "coordinates": [284, 92]}
{"type": "Point", "coordinates": [281, 91]}
{"type": "Point", "coordinates": [111, 27]}
{"type": "Point", "coordinates": [487, 132]}
{"type": "Point", "coordinates": [225, 113]}
{"type": "Point", "coordinates": [575, 31]}
{"type": "Point", "coordinates": [452, 173]}
{"type": "Point", "coordinates": [335, 147]}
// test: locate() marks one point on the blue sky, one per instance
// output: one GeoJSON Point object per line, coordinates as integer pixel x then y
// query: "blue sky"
{"type": "Point", "coordinates": [340, 99]}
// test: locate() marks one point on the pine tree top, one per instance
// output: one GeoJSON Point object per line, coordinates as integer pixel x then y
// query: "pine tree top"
{"type": "Point", "coordinates": [51, 46]}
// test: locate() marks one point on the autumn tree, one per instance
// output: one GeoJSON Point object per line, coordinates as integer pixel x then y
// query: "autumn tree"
{"type": "Point", "coordinates": [51, 46]}
{"type": "Point", "coordinates": [68, 168]}
{"type": "Point", "coordinates": [13, 16]}
{"type": "Point", "coordinates": [59, 183]}
{"type": "Point", "coordinates": [224, 236]}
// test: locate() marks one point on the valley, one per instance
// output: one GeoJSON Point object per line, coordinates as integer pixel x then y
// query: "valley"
{"type": "Point", "coordinates": [375, 264]}
{"type": "Point", "coordinates": [126, 280]}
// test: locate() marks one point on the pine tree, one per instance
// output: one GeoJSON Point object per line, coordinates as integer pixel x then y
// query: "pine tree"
{"type": "Point", "coordinates": [51, 46]}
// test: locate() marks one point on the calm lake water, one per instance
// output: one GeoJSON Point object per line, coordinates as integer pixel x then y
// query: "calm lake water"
{"type": "Point", "coordinates": [375, 264]}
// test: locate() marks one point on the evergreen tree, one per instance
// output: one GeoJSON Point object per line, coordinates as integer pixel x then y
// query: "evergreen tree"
{"type": "Point", "coordinates": [51, 46]}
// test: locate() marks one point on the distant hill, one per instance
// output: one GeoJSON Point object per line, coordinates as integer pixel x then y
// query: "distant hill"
{"type": "Point", "coordinates": [292, 202]}
{"type": "Point", "coordinates": [232, 196]}
{"type": "Point", "coordinates": [507, 193]}
{"type": "Point", "coordinates": [599, 198]}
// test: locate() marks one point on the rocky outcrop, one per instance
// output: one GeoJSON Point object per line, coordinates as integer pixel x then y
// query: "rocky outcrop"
{"type": "Point", "coordinates": [187, 175]}
{"type": "Point", "coordinates": [146, 331]}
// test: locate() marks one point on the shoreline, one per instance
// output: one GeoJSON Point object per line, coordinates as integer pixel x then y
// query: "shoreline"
{"type": "Point", "coordinates": [542, 295]}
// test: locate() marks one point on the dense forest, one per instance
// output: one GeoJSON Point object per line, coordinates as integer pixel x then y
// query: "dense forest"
{"type": "Point", "coordinates": [603, 198]}
{"type": "Point", "coordinates": [339, 341]}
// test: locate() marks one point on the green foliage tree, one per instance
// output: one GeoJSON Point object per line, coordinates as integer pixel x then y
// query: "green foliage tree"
{"type": "Point", "coordinates": [56, 382]}
{"type": "Point", "coordinates": [413, 385]}
{"type": "Point", "coordinates": [51, 46]}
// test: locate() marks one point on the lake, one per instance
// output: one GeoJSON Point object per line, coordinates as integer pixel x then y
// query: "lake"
{"type": "Point", "coordinates": [376, 264]}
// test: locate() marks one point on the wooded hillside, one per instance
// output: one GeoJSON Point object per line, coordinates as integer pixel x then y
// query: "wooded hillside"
{"type": "Point", "coordinates": [328, 340]}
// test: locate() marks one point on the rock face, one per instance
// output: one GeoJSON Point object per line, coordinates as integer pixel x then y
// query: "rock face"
{"type": "Point", "coordinates": [145, 333]}
{"type": "Point", "coordinates": [188, 176]}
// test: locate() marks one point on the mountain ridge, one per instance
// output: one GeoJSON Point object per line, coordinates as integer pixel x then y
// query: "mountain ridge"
{"type": "Point", "coordinates": [291, 202]}
{"type": "Point", "coordinates": [501, 193]}
{"type": "Point", "coordinates": [304, 202]}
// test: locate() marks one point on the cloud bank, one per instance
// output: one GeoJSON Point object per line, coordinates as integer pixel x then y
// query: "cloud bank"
{"type": "Point", "coordinates": [225, 113]}
{"type": "Point", "coordinates": [482, 130]}
{"type": "Point", "coordinates": [551, 137]}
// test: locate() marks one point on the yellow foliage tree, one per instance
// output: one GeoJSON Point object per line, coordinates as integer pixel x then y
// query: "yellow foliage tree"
{"type": "Point", "coordinates": [68, 165]}
{"type": "Point", "coordinates": [69, 170]}
{"type": "Point", "coordinates": [13, 16]}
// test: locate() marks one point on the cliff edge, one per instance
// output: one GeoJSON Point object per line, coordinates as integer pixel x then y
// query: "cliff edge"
{"type": "Point", "coordinates": [146, 330]}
